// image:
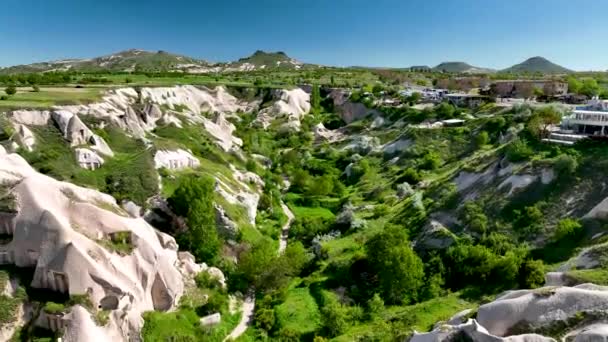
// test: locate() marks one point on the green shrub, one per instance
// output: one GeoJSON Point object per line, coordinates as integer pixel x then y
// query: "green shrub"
{"type": "Point", "coordinates": [518, 150]}
{"type": "Point", "coordinates": [11, 90]}
{"type": "Point", "coordinates": [54, 308]}
{"type": "Point", "coordinates": [532, 274]}
{"type": "Point", "coordinates": [567, 228]}
{"type": "Point", "coordinates": [430, 161]}
{"type": "Point", "coordinates": [565, 164]}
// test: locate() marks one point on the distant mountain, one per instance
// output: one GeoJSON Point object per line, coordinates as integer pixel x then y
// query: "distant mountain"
{"type": "Point", "coordinates": [265, 60]}
{"type": "Point", "coordinates": [537, 65]}
{"type": "Point", "coordinates": [129, 60]}
{"type": "Point", "coordinates": [135, 59]}
{"type": "Point", "coordinates": [460, 67]}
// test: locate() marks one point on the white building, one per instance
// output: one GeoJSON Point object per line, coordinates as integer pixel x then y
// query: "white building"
{"type": "Point", "coordinates": [590, 119]}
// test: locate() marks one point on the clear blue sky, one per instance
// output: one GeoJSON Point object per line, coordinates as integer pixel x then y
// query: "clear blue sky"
{"type": "Point", "coordinates": [397, 33]}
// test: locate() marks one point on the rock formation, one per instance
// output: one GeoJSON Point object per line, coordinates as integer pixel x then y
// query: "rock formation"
{"type": "Point", "coordinates": [65, 232]}
{"type": "Point", "coordinates": [174, 160]}
{"type": "Point", "coordinates": [291, 103]}
{"type": "Point", "coordinates": [88, 159]}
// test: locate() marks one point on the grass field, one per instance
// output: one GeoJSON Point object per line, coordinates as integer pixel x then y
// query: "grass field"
{"type": "Point", "coordinates": [50, 96]}
{"type": "Point", "coordinates": [299, 312]}
{"type": "Point", "coordinates": [312, 212]}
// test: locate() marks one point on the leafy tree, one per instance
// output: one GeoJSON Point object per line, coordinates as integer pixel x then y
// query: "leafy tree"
{"type": "Point", "coordinates": [11, 90]}
{"type": "Point", "coordinates": [473, 217]}
{"type": "Point", "coordinates": [482, 139]}
{"type": "Point", "coordinates": [414, 98]}
{"type": "Point", "coordinates": [399, 269]}
{"type": "Point", "coordinates": [538, 92]}
{"type": "Point", "coordinates": [530, 220]}
{"type": "Point", "coordinates": [315, 100]}
{"type": "Point", "coordinates": [574, 85]}
{"type": "Point", "coordinates": [567, 228]}
{"type": "Point", "coordinates": [375, 306]}
{"type": "Point", "coordinates": [518, 150]}
{"type": "Point", "coordinates": [565, 164]}
{"type": "Point", "coordinates": [193, 199]}
{"type": "Point", "coordinates": [532, 274]}
{"type": "Point", "coordinates": [335, 317]}
{"type": "Point", "coordinates": [430, 161]}
{"type": "Point", "coordinates": [590, 87]}
{"type": "Point", "coordinates": [541, 121]}
{"type": "Point", "coordinates": [265, 319]}
{"type": "Point", "coordinates": [262, 267]}
{"type": "Point", "coordinates": [444, 110]}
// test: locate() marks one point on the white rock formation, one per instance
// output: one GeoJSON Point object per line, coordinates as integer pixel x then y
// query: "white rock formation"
{"type": "Point", "coordinates": [222, 129]}
{"type": "Point", "coordinates": [174, 160]}
{"type": "Point", "coordinates": [243, 197]}
{"type": "Point", "coordinates": [474, 332]}
{"type": "Point", "coordinates": [213, 319]}
{"type": "Point", "coordinates": [119, 106]}
{"type": "Point", "coordinates": [323, 134]}
{"type": "Point", "coordinates": [88, 159]}
{"type": "Point", "coordinates": [397, 146]}
{"type": "Point", "coordinates": [349, 111]}
{"type": "Point", "coordinates": [31, 117]}
{"type": "Point", "coordinates": [363, 144]}
{"type": "Point", "coordinates": [540, 306]}
{"type": "Point", "coordinates": [100, 145]}
{"type": "Point", "coordinates": [56, 230]}
{"type": "Point", "coordinates": [25, 137]}
{"type": "Point", "coordinates": [292, 103]}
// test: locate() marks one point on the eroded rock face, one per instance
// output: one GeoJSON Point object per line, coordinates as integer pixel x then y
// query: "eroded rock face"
{"type": "Point", "coordinates": [540, 307]}
{"type": "Point", "coordinates": [472, 331]}
{"type": "Point", "coordinates": [25, 137]}
{"type": "Point", "coordinates": [175, 160]}
{"type": "Point", "coordinates": [221, 129]}
{"type": "Point", "coordinates": [434, 235]}
{"type": "Point", "coordinates": [57, 229]}
{"type": "Point", "coordinates": [349, 111]}
{"type": "Point", "coordinates": [292, 103]}
{"type": "Point", "coordinates": [88, 159]}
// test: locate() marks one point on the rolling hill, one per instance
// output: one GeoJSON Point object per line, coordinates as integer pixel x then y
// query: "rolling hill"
{"type": "Point", "coordinates": [537, 65]}
{"type": "Point", "coordinates": [460, 67]}
{"type": "Point", "coordinates": [128, 60]}
{"type": "Point", "coordinates": [265, 60]}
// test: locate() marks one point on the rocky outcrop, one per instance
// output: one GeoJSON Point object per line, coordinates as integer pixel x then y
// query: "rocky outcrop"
{"type": "Point", "coordinates": [363, 144]}
{"type": "Point", "coordinates": [88, 159]}
{"type": "Point", "coordinates": [31, 117]}
{"type": "Point", "coordinates": [323, 134]}
{"type": "Point", "coordinates": [349, 111]}
{"type": "Point", "coordinates": [210, 320]}
{"type": "Point", "coordinates": [434, 235]}
{"type": "Point", "coordinates": [472, 331]}
{"type": "Point", "coordinates": [58, 229]}
{"type": "Point", "coordinates": [175, 160]}
{"type": "Point", "coordinates": [291, 103]}
{"type": "Point", "coordinates": [397, 146]}
{"type": "Point", "coordinates": [540, 307]}
{"type": "Point", "coordinates": [226, 226]}
{"type": "Point", "coordinates": [221, 129]}
{"type": "Point", "coordinates": [24, 136]}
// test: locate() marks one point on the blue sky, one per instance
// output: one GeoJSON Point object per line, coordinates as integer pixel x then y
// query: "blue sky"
{"type": "Point", "coordinates": [396, 33]}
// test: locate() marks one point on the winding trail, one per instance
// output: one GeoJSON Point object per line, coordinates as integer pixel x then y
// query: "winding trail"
{"type": "Point", "coordinates": [285, 228]}
{"type": "Point", "coordinates": [248, 306]}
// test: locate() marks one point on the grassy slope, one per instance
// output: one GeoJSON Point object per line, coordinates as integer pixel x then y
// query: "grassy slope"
{"type": "Point", "coordinates": [50, 96]}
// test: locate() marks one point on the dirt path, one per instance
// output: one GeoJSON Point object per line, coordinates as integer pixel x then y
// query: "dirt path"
{"type": "Point", "coordinates": [249, 303]}
{"type": "Point", "coordinates": [285, 228]}
{"type": "Point", "coordinates": [247, 316]}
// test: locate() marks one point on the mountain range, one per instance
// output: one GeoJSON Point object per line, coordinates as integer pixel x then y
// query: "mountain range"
{"type": "Point", "coordinates": [142, 60]}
